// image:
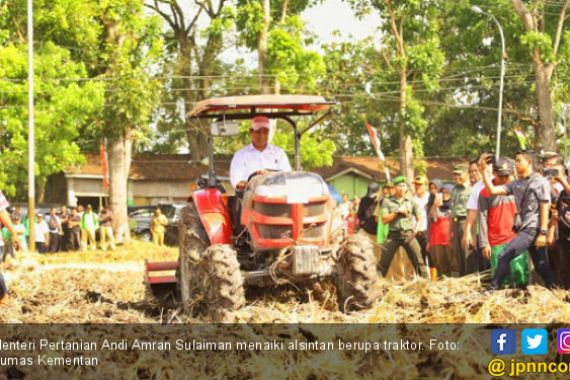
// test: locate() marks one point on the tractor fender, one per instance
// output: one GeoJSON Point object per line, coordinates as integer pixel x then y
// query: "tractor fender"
{"type": "Point", "coordinates": [214, 215]}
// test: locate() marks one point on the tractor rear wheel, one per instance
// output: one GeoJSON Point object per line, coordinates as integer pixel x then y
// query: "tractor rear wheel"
{"type": "Point", "coordinates": [220, 281]}
{"type": "Point", "coordinates": [356, 274]}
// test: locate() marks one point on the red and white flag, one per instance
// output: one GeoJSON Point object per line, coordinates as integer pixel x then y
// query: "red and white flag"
{"type": "Point", "coordinates": [104, 165]}
{"type": "Point", "coordinates": [374, 137]}
{"type": "Point", "coordinates": [373, 132]}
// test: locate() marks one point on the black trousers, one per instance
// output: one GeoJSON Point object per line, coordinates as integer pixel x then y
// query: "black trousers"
{"type": "Point", "coordinates": [562, 266]}
{"type": "Point", "coordinates": [53, 242]}
{"type": "Point", "coordinates": [74, 239]}
{"type": "Point", "coordinates": [41, 247]}
{"type": "Point", "coordinates": [524, 240]}
{"type": "Point", "coordinates": [422, 238]}
{"type": "Point", "coordinates": [64, 240]}
{"type": "Point", "coordinates": [466, 259]}
{"type": "Point", "coordinates": [412, 248]}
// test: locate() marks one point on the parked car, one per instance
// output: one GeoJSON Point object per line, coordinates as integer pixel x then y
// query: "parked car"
{"type": "Point", "coordinates": [140, 218]}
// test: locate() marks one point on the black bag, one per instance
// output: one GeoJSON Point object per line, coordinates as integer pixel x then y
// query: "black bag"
{"type": "Point", "coordinates": [52, 224]}
{"type": "Point", "coordinates": [366, 215]}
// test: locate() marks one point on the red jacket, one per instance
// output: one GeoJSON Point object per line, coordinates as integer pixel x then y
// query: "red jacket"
{"type": "Point", "coordinates": [496, 218]}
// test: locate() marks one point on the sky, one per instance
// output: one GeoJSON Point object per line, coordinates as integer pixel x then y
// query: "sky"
{"type": "Point", "coordinates": [333, 15]}
{"type": "Point", "coordinates": [322, 20]}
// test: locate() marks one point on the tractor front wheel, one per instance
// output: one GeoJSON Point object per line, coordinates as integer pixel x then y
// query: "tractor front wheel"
{"type": "Point", "coordinates": [220, 281]}
{"type": "Point", "coordinates": [356, 275]}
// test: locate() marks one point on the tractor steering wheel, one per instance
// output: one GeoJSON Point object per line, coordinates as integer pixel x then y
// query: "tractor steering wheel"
{"type": "Point", "coordinates": [258, 172]}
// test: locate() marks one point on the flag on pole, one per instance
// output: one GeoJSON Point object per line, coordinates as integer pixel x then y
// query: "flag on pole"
{"type": "Point", "coordinates": [375, 141]}
{"type": "Point", "coordinates": [104, 165]}
{"type": "Point", "coordinates": [521, 137]}
{"type": "Point", "coordinates": [373, 132]}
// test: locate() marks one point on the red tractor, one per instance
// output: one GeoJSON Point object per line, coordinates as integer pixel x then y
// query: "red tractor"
{"type": "Point", "coordinates": [287, 231]}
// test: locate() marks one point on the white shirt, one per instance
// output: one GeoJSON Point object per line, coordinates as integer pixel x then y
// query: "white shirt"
{"type": "Point", "coordinates": [40, 231]}
{"type": "Point", "coordinates": [473, 201]}
{"type": "Point", "coordinates": [249, 160]}
{"type": "Point", "coordinates": [345, 209]}
{"type": "Point", "coordinates": [422, 204]}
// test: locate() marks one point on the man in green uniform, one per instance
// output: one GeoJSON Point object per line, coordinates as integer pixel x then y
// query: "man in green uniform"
{"type": "Point", "coordinates": [459, 197]}
{"type": "Point", "coordinates": [398, 212]}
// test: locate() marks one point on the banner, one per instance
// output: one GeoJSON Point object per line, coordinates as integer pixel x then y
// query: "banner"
{"type": "Point", "coordinates": [104, 165]}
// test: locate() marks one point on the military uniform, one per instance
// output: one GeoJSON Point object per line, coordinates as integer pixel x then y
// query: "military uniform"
{"type": "Point", "coordinates": [400, 234]}
{"type": "Point", "coordinates": [459, 197]}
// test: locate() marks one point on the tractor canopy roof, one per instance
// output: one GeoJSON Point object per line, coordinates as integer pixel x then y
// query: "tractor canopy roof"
{"type": "Point", "coordinates": [248, 106]}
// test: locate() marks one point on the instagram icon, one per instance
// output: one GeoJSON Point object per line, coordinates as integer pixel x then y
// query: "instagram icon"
{"type": "Point", "coordinates": [563, 340]}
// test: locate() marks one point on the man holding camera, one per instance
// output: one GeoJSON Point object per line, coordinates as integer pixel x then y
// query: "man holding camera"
{"type": "Point", "coordinates": [398, 212]}
{"type": "Point", "coordinates": [459, 197]}
{"type": "Point", "coordinates": [559, 229]}
{"type": "Point", "coordinates": [532, 198]}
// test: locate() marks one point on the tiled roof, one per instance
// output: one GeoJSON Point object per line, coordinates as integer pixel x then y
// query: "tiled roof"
{"type": "Point", "coordinates": [436, 167]}
{"type": "Point", "coordinates": [174, 167]}
{"type": "Point", "coordinates": [178, 168]}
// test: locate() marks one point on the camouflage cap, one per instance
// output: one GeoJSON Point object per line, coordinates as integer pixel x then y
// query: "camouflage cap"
{"type": "Point", "coordinates": [460, 169]}
{"type": "Point", "coordinates": [400, 179]}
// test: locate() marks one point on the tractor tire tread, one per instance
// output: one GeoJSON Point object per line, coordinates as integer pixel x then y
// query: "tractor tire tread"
{"type": "Point", "coordinates": [357, 275]}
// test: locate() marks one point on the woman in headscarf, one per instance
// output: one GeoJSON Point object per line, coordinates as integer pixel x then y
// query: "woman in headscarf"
{"type": "Point", "coordinates": [439, 232]}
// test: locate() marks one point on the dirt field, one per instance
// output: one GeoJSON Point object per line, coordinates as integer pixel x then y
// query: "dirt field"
{"type": "Point", "coordinates": [107, 287]}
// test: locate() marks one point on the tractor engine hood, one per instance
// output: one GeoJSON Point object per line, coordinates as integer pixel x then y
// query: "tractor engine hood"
{"type": "Point", "coordinates": [297, 187]}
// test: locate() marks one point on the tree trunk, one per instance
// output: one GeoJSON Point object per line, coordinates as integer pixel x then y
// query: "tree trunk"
{"type": "Point", "coordinates": [545, 111]}
{"type": "Point", "coordinates": [262, 49]}
{"type": "Point", "coordinates": [542, 71]}
{"type": "Point", "coordinates": [119, 165]}
{"type": "Point", "coordinates": [198, 148]}
{"type": "Point", "coordinates": [41, 191]}
{"type": "Point", "coordinates": [406, 146]}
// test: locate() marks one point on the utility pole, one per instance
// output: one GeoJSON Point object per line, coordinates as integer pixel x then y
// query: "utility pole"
{"type": "Point", "coordinates": [565, 126]}
{"type": "Point", "coordinates": [31, 177]}
{"type": "Point", "coordinates": [478, 10]}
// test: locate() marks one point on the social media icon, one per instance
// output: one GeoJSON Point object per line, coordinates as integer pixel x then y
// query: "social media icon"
{"type": "Point", "coordinates": [563, 341]}
{"type": "Point", "coordinates": [503, 341]}
{"type": "Point", "coordinates": [534, 341]}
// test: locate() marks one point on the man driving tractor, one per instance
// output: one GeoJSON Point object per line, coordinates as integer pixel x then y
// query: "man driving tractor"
{"type": "Point", "coordinates": [257, 156]}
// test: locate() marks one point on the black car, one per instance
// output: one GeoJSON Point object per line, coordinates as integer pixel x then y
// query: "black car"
{"type": "Point", "coordinates": [140, 218]}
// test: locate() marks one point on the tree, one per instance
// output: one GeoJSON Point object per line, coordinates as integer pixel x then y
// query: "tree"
{"type": "Point", "coordinates": [130, 45]}
{"type": "Point", "coordinates": [544, 38]}
{"type": "Point", "coordinates": [189, 57]}
{"type": "Point", "coordinates": [411, 50]}
{"type": "Point", "coordinates": [64, 103]}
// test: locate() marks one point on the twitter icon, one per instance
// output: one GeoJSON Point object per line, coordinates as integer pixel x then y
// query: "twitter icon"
{"type": "Point", "coordinates": [534, 341]}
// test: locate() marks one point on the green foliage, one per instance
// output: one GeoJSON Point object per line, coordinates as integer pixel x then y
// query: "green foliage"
{"type": "Point", "coordinates": [249, 21]}
{"type": "Point", "coordinates": [131, 92]}
{"type": "Point", "coordinates": [220, 25]}
{"type": "Point", "coordinates": [293, 64]}
{"type": "Point", "coordinates": [316, 151]}
{"type": "Point", "coordinates": [540, 41]}
{"type": "Point", "coordinates": [63, 103]}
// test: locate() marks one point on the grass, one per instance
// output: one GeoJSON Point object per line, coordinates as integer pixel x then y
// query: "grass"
{"type": "Point", "coordinates": [135, 251]}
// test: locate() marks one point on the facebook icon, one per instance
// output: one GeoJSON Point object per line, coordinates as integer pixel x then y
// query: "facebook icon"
{"type": "Point", "coordinates": [503, 341]}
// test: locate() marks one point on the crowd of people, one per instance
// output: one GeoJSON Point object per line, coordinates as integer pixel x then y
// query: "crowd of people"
{"type": "Point", "coordinates": [493, 215]}
{"type": "Point", "coordinates": [66, 229]}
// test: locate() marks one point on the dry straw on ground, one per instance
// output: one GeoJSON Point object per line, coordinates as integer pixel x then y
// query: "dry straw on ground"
{"type": "Point", "coordinates": [107, 287]}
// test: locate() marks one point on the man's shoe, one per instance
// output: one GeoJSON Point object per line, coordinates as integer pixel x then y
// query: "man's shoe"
{"type": "Point", "coordinates": [5, 301]}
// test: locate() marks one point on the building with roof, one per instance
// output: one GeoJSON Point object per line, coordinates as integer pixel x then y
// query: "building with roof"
{"type": "Point", "coordinates": [351, 175]}
{"type": "Point", "coordinates": [153, 179]}
{"type": "Point", "coordinates": [167, 178]}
